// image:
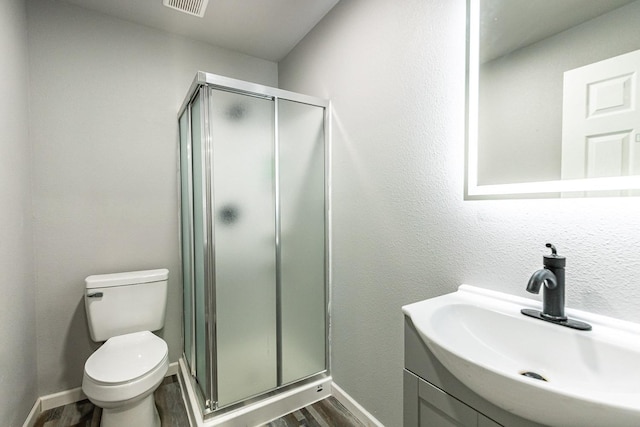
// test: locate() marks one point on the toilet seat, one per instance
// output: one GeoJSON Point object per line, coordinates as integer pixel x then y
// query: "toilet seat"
{"type": "Point", "coordinates": [125, 358]}
{"type": "Point", "coordinates": [126, 367]}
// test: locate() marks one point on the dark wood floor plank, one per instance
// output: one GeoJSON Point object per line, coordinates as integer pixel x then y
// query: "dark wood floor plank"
{"type": "Point", "coordinates": [320, 410]}
{"type": "Point", "coordinates": [170, 405]}
{"type": "Point", "coordinates": [280, 422]}
{"type": "Point", "coordinates": [336, 413]}
{"type": "Point", "coordinates": [325, 413]}
{"type": "Point", "coordinates": [310, 420]}
{"type": "Point", "coordinates": [50, 415]}
{"type": "Point", "coordinates": [95, 420]}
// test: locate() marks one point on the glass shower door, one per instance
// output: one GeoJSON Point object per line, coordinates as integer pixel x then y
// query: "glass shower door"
{"type": "Point", "coordinates": [186, 234]}
{"type": "Point", "coordinates": [243, 210]}
{"type": "Point", "coordinates": [200, 241]}
{"type": "Point", "coordinates": [302, 240]}
{"type": "Point", "coordinates": [193, 236]}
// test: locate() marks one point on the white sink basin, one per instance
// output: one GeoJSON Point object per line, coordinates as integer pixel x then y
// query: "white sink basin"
{"type": "Point", "coordinates": [480, 336]}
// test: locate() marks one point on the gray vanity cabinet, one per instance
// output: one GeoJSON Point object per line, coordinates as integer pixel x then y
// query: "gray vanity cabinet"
{"type": "Point", "coordinates": [433, 397]}
{"type": "Point", "coordinates": [427, 406]}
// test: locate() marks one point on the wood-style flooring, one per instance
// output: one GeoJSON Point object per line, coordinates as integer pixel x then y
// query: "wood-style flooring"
{"type": "Point", "coordinates": [325, 413]}
{"type": "Point", "coordinates": [168, 399]}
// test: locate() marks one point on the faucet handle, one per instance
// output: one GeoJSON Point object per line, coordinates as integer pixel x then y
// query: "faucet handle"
{"type": "Point", "coordinates": [554, 260]}
{"type": "Point", "coordinates": [553, 249]}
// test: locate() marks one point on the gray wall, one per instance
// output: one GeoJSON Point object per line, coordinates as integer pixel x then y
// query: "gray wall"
{"type": "Point", "coordinates": [395, 72]}
{"type": "Point", "coordinates": [521, 100]}
{"type": "Point", "coordinates": [105, 96]}
{"type": "Point", "coordinates": [18, 383]}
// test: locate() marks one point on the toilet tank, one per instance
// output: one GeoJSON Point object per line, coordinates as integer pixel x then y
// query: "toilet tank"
{"type": "Point", "coordinates": [122, 303]}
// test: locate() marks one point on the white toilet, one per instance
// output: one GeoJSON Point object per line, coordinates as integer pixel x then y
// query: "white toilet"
{"type": "Point", "coordinates": [121, 376]}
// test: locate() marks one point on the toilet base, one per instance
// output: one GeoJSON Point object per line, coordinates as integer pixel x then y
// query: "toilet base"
{"type": "Point", "coordinates": [142, 413]}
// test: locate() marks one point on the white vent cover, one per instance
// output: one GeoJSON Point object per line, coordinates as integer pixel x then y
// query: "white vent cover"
{"type": "Point", "coordinates": [192, 7]}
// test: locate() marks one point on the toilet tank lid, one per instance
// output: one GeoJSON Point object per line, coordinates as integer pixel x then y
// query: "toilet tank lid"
{"type": "Point", "coordinates": [128, 278]}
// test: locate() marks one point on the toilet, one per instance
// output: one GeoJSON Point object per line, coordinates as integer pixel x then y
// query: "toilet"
{"type": "Point", "coordinates": [121, 376]}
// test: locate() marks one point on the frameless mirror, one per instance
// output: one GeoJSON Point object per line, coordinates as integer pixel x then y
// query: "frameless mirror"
{"type": "Point", "coordinates": [553, 99]}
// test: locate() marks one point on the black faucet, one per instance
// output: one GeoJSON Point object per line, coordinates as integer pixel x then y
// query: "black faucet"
{"type": "Point", "coordinates": [552, 276]}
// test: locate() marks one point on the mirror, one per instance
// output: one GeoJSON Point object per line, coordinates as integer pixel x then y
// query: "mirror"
{"type": "Point", "coordinates": [552, 98]}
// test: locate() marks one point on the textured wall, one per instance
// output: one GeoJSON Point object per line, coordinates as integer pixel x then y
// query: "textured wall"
{"type": "Point", "coordinates": [105, 97]}
{"type": "Point", "coordinates": [401, 231]}
{"type": "Point", "coordinates": [17, 302]}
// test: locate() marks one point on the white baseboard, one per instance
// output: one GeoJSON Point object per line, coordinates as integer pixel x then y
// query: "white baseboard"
{"type": "Point", "coordinates": [33, 415]}
{"type": "Point", "coordinates": [50, 401]}
{"type": "Point", "coordinates": [354, 407]}
{"type": "Point", "coordinates": [62, 398]}
{"type": "Point", "coordinates": [173, 369]}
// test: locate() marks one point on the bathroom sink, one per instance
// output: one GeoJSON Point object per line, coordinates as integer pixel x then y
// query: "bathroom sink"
{"type": "Point", "coordinates": [546, 373]}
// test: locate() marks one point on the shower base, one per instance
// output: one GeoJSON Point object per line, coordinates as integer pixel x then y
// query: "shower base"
{"type": "Point", "coordinates": [259, 412]}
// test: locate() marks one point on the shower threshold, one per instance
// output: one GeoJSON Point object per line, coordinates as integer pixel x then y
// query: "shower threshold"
{"type": "Point", "coordinates": [261, 411]}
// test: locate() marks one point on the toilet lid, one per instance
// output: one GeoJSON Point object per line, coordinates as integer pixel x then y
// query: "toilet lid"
{"type": "Point", "coordinates": [126, 357]}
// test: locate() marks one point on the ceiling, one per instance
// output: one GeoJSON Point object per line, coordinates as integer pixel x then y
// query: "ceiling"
{"type": "Point", "coordinates": [267, 29]}
{"type": "Point", "coordinates": [507, 25]}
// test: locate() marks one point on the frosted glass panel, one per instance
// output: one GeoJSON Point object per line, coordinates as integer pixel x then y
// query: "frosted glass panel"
{"type": "Point", "coordinates": [198, 249]}
{"type": "Point", "coordinates": [244, 227]}
{"type": "Point", "coordinates": [185, 233]}
{"type": "Point", "coordinates": [302, 241]}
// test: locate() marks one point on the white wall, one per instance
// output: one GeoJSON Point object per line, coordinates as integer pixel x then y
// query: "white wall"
{"type": "Point", "coordinates": [395, 72]}
{"type": "Point", "coordinates": [18, 383]}
{"type": "Point", "coordinates": [105, 97]}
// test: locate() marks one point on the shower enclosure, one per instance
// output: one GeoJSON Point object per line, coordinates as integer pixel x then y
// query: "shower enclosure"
{"type": "Point", "coordinates": [253, 174]}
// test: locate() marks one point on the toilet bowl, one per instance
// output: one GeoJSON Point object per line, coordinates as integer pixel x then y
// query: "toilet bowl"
{"type": "Point", "coordinates": [121, 376]}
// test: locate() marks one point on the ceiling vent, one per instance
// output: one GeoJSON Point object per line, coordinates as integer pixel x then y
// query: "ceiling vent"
{"type": "Point", "coordinates": [192, 7]}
